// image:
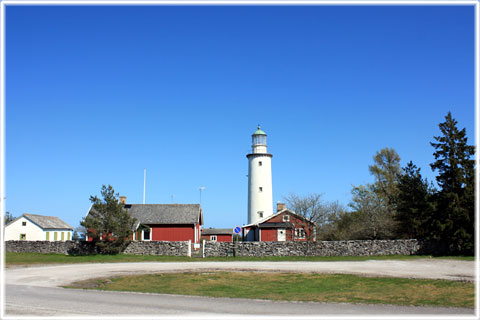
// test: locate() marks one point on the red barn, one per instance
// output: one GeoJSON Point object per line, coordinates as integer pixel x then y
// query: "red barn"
{"type": "Point", "coordinates": [166, 222]}
{"type": "Point", "coordinates": [285, 225]}
{"type": "Point", "coordinates": [220, 235]}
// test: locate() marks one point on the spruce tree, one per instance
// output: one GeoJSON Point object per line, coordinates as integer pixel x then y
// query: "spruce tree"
{"type": "Point", "coordinates": [414, 204]}
{"type": "Point", "coordinates": [108, 223]}
{"type": "Point", "coordinates": [455, 214]}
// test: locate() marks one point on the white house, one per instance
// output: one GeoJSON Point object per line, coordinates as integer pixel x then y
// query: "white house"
{"type": "Point", "coordinates": [34, 227]}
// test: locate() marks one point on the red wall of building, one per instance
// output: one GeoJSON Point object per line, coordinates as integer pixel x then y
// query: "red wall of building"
{"type": "Point", "coordinates": [220, 237]}
{"type": "Point", "coordinates": [224, 237]}
{"type": "Point", "coordinates": [272, 234]}
{"type": "Point", "coordinates": [173, 232]}
{"type": "Point", "coordinates": [268, 234]}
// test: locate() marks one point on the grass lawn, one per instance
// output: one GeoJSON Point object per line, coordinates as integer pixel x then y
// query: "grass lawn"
{"type": "Point", "coordinates": [12, 258]}
{"type": "Point", "coordinates": [296, 287]}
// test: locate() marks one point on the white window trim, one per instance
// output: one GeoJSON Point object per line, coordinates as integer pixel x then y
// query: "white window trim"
{"type": "Point", "coordinates": [286, 218]}
{"type": "Point", "coordinates": [213, 238]}
{"type": "Point", "coordinates": [300, 231]}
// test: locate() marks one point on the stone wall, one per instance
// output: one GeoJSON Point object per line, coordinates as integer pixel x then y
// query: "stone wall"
{"type": "Point", "coordinates": [321, 248]}
{"type": "Point", "coordinates": [174, 248]}
{"type": "Point", "coordinates": [163, 248]}
{"type": "Point", "coordinates": [62, 247]}
{"type": "Point", "coordinates": [241, 249]}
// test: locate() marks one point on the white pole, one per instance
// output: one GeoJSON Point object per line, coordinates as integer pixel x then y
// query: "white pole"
{"type": "Point", "coordinates": [201, 188]}
{"type": "Point", "coordinates": [144, 182]}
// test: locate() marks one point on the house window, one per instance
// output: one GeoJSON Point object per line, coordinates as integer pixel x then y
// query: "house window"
{"type": "Point", "coordinates": [23, 236]}
{"type": "Point", "coordinates": [300, 233]}
{"type": "Point", "coordinates": [63, 236]}
{"type": "Point", "coordinates": [55, 236]}
{"type": "Point", "coordinates": [24, 223]}
{"type": "Point", "coordinates": [286, 218]}
{"type": "Point", "coordinates": [48, 236]}
{"type": "Point", "coordinates": [260, 214]}
{"type": "Point", "coordinates": [259, 163]}
{"type": "Point", "coordinates": [213, 238]}
{"type": "Point", "coordinates": [146, 234]}
{"type": "Point", "coordinates": [69, 236]}
{"type": "Point", "coordinates": [260, 189]}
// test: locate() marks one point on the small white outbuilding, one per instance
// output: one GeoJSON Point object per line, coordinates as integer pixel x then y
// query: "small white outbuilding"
{"type": "Point", "coordinates": [34, 227]}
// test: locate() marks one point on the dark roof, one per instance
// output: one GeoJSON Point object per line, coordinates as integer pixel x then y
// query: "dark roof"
{"type": "Point", "coordinates": [47, 222]}
{"type": "Point", "coordinates": [166, 213]}
{"type": "Point", "coordinates": [217, 231]}
{"type": "Point", "coordinates": [276, 225]}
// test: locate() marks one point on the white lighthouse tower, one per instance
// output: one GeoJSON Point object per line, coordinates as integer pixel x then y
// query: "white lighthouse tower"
{"type": "Point", "coordinates": [260, 203]}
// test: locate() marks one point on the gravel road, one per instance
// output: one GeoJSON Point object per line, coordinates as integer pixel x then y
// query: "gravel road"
{"type": "Point", "coordinates": [57, 275]}
{"type": "Point", "coordinates": [33, 290]}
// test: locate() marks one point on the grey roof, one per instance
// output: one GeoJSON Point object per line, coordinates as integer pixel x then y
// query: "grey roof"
{"type": "Point", "coordinates": [166, 213]}
{"type": "Point", "coordinates": [217, 231]}
{"type": "Point", "coordinates": [47, 222]}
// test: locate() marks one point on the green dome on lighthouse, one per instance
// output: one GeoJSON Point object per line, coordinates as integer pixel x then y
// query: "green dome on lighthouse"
{"type": "Point", "coordinates": [259, 131]}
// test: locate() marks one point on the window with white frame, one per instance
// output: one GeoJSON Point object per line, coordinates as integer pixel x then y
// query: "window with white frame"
{"type": "Point", "coordinates": [146, 234]}
{"type": "Point", "coordinates": [259, 163]}
{"type": "Point", "coordinates": [300, 233]}
{"type": "Point", "coordinates": [260, 189]}
{"type": "Point", "coordinates": [24, 223]}
{"type": "Point", "coordinates": [213, 238]}
{"type": "Point", "coordinates": [286, 218]}
{"type": "Point", "coordinates": [260, 214]}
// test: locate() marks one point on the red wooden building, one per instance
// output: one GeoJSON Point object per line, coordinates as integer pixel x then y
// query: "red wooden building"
{"type": "Point", "coordinates": [285, 225]}
{"type": "Point", "coordinates": [220, 235]}
{"type": "Point", "coordinates": [166, 222]}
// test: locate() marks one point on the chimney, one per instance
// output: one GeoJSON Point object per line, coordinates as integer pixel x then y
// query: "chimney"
{"type": "Point", "coordinates": [280, 206]}
{"type": "Point", "coordinates": [123, 199]}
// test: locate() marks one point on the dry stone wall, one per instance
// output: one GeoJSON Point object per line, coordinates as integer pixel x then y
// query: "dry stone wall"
{"type": "Point", "coordinates": [163, 248]}
{"type": "Point", "coordinates": [321, 248]}
{"type": "Point", "coordinates": [167, 248]}
{"type": "Point", "coordinates": [241, 249]}
{"type": "Point", "coordinates": [62, 247]}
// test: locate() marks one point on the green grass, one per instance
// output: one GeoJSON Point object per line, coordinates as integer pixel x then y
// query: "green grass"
{"type": "Point", "coordinates": [13, 258]}
{"type": "Point", "coordinates": [296, 287]}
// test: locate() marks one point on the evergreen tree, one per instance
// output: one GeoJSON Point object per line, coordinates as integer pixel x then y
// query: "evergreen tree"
{"type": "Point", "coordinates": [414, 204]}
{"type": "Point", "coordinates": [454, 218]}
{"type": "Point", "coordinates": [108, 223]}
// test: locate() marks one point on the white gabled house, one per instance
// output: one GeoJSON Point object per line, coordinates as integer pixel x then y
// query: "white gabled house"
{"type": "Point", "coordinates": [34, 227]}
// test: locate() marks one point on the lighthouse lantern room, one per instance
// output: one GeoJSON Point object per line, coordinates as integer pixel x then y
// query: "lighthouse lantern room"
{"type": "Point", "coordinates": [260, 204]}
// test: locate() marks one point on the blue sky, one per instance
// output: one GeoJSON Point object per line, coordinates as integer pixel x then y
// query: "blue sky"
{"type": "Point", "coordinates": [95, 94]}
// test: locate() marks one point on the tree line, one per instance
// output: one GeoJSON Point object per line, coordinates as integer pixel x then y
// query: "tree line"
{"type": "Point", "coordinates": [401, 204]}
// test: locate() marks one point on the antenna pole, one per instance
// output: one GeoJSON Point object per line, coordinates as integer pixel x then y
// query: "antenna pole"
{"type": "Point", "coordinates": [144, 183]}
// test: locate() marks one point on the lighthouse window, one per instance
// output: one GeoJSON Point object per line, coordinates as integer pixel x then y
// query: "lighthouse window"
{"type": "Point", "coordinates": [259, 163]}
{"type": "Point", "coordinates": [260, 189]}
{"type": "Point", "coordinates": [260, 214]}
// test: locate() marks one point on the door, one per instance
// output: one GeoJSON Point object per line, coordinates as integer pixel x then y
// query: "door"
{"type": "Point", "coordinates": [281, 235]}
